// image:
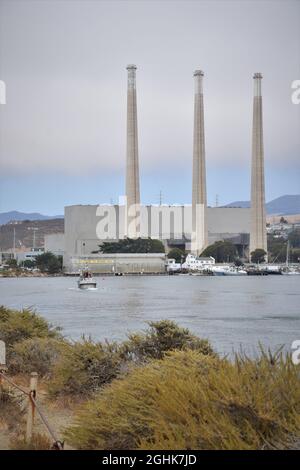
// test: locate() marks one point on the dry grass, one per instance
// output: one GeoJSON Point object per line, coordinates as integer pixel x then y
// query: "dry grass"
{"type": "Point", "coordinates": [11, 409]}
{"type": "Point", "coordinates": [192, 401]}
{"type": "Point", "coordinates": [38, 442]}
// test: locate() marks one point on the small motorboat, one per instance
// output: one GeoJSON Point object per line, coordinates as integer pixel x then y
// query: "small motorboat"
{"type": "Point", "coordinates": [86, 280]}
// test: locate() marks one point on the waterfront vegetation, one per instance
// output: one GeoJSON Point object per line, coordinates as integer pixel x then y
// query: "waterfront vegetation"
{"type": "Point", "coordinates": [258, 256]}
{"type": "Point", "coordinates": [44, 264]}
{"type": "Point", "coordinates": [162, 388]}
{"type": "Point", "coordinates": [49, 263]}
{"type": "Point", "coordinates": [132, 245]}
{"type": "Point", "coordinates": [177, 254]}
{"type": "Point", "coordinates": [222, 252]}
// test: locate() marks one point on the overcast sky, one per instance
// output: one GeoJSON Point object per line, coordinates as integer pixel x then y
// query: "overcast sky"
{"type": "Point", "coordinates": [63, 129]}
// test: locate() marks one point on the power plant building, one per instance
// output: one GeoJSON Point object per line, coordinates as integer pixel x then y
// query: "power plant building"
{"type": "Point", "coordinates": [191, 227]}
{"type": "Point", "coordinates": [87, 226]}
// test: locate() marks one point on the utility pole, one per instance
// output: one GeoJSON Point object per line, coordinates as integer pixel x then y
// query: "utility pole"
{"type": "Point", "coordinates": [14, 243]}
{"type": "Point", "coordinates": [160, 197]}
{"type": "Point", "coordinates": [34, 229]}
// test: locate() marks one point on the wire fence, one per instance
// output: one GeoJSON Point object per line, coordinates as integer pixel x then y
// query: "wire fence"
{"type": "Point", "coordinates": [34, 405]}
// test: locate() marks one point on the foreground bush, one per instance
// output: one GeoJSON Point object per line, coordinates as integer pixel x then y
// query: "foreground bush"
{"type": "Point", "coordinates": [36, 355]}
{"type": "Point", "coordinates": [162, 336]}
{"type": "Point", "coordinates": [192, 401]}
{"type": "Point", "coordinates": [17, 325]}
{"type": "Point", "coordinates": [11, 409]}
{"type": "Point", "coordinates": [84, 367]}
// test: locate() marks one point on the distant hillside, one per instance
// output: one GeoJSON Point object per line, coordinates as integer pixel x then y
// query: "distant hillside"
{"type": "Point", "coordinates": [283, 205]}
{"type": "Point", "coordinates": [238, 204]}
{"type": "Point", "coordinates": [24, 233]}
{"type": "Point", "coordinates": [6, 217]}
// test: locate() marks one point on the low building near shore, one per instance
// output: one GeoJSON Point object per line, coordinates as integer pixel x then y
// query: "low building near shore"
{"type": "Point", "coordinates": [118, 263]}
{"type": "Point", "coordinates": [199, 263]}
{"type": "Point", "coordinates": [31, 255]}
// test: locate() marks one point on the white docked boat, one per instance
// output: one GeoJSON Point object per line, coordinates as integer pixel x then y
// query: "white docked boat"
{"type": "Point", "coordinates": [290, 272]}
{"type": "Point", "coordinates": [228, 271]}
{"type": "Point", "coordinates": [86, 280]}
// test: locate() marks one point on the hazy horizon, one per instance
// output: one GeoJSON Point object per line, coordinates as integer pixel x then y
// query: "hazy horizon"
{"type": "Point", "coordinates": [63, 129]}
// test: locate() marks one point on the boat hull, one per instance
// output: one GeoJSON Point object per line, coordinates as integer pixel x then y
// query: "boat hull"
{"type": "Point", "coordinates": [87, 285]}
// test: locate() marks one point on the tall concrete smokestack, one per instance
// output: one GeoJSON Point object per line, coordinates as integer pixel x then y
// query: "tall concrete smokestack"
{"type": "Point", "coordinates": [258, 235]}
{"type": "Point", "coordinates": [132, 166]}
{"type": "Point", "coordinates": [199, 224]}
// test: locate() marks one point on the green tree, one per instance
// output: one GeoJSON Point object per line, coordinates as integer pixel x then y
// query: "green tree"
{"type": "Point", "coordinates": [49, 263]}
{"type": "Point", "coordinates": [130, 245]}
{"type": "Point", "coordinates": [258, 255]}
{"type": "Point", "coordinates": [12, 263]}
{"type": "Point", "coordinates": [177, 254]}
{"type": "Point", "coordinates": [222, 251]}
{"type": "Point", "coordinates": [28, 263]}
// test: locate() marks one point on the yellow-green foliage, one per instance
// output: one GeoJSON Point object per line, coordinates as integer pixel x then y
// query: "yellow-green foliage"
{"type": "Point", "coordinates": [84, 367]}
{"type": "Point", "coordinates": [17, 325]}
{"type": "Point", "coordinates": [161, 336]}
{"type": "Point", "coordinates": [192, 401]}
{"type": "Point", "coordinates": [36, 355]}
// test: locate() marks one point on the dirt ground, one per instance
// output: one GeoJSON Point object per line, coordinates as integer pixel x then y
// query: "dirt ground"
{"type": "Point", "coordinates": [58, 415]}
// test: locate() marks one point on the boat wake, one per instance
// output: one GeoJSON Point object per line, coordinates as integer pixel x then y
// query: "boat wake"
{"type": "Point", "coordinates": [88, 289]}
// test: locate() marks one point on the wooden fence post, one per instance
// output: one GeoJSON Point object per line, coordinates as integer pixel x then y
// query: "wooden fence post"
{"type": "Point", "coordinates": [2, 359]}
{"type": "Point", "coordinates": [31, 406]}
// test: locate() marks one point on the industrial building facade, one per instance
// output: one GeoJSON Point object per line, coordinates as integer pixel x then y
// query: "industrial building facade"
{"type": "Point", "coordinates": [87, 226]}
{"type": "Point", "coordinates": [192, 227]}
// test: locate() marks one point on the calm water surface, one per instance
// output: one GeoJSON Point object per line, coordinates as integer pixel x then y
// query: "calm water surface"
{"type": "Point", "coordinates": [232, 312]}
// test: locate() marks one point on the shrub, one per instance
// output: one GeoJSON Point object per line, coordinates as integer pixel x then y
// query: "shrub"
{"type": "Point", "coordinates": [192, 401]}
{"type": "Point", "coordinates": [11, 410]}
{"type": "Point", "coordinates": [18, 325]}
{"type": "Point", "coordinates": [161, 337]}
{"type": "Point", "coordinates": [84, 367]}
{"type": "Point", "coordinates": [35, 355]}
{"type": "Point", "coordinates": [38, 442]}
